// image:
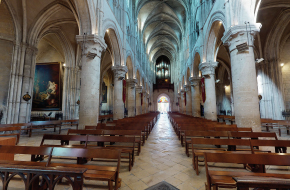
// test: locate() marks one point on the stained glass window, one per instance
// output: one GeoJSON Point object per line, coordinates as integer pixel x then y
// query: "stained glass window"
{"type": "Point", "coordinates": [163, 100]}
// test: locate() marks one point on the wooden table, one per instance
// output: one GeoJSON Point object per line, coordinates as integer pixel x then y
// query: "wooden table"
{"type": "Point", "coordinates": [7, 141]}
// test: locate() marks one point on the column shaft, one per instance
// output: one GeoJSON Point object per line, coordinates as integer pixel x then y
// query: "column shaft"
{"type": "Point", "coordinates": [245, 91]}
{"type": "Point", "coordinates": [119, 75]}
{"type": "Point", "coordinates": [208, 71]}
{"type": "Point", "coordinates": [131, 97]}
{"type": "Point", "coordinates": [210, 102]}
{"type": "Point", "coordinates": [195, 96]}
{"type": "Point", "coordinates": [188, 100]}
{"type": "Point", "coordinates": [90, 80]}
{"type": "Point", "coordinates": [138, 100]}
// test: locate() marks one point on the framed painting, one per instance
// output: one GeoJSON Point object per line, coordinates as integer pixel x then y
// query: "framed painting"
{"type": "Point", "coordinates": [47, 87]}
{"type": "Point", "coordinates": [104, 93]}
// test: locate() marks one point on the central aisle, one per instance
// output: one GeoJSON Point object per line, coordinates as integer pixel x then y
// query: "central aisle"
{"type": "Point", "coordinates": [162, 158]}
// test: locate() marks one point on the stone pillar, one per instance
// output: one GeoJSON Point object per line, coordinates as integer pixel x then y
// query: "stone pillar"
{"type": "Point", "coordinates": [182, 103]}
{"type": "Point", "coordinates": [187, 89]}
{"type": "Point", "coordinates": [195, 81]}
{"type": "Point", "coordinates": [131, 83]}
{"type": "Point", "coordinates": [179, 102]}
{"type": "Point", "coordinates": [245, 90]}
{"type": "Point", "coordinates": [144, 102]}
{"type": "Point", "coordinates": [90, 79]}
{"type": "Point", "coordinates": [27, 84]}
{"type": "Point", "coordinates": [119, 75]}
{"type": "Point", "coordinates": [208, 71]}
{"type": "Point", "coordinates": [138, 100]}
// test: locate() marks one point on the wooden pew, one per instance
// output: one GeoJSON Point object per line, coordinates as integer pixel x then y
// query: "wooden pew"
{"type": "Point", "coordinates": [45, 124]}
{"type": "Point", "coordinates": [139, 128]}
{"type": "Point", "coordinates": [85, 132]}
{"type": "Point", "coordinates": [66, 140]}
{"type": "Point", "coordinates": [15, 129]}
{"type": "Point", "coordinates": [71, 122]}
{"type": "Point", "coordinates": [127, 149]}
{"type": "Point", "coordinates": [279, 145]}
{"type": "Point", "coordinates": [15, 132]}
{"type": "Point", "coordinates": [136, 133]}
{"type": "Point", "coordinates": [198, 151]}
{"type": "Point", "coordinates": [208, 129]}
{"type": "Point", "coordinates": [92, 172]}
{"type": "Point", "coordinates": [246, 182]}
{"type": "Point", "coordinates": [53, 174]}
{"type": "Point", "coordinates": [224, 179]}
{"type": "Point", "coordinates": [252, 135]}
{"type": "Point", "coordinates": [189, 134]}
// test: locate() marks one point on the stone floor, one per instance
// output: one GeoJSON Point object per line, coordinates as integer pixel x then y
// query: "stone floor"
{"type": "Point", "coordinates": [162, 158]}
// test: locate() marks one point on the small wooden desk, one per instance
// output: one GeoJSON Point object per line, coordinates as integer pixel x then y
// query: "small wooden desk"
{"type": "Point", "coordinates": [7, 141]}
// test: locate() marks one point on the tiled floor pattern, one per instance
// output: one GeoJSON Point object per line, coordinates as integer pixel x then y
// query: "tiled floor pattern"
{"type": "Point", "coordinates": [162, 158]}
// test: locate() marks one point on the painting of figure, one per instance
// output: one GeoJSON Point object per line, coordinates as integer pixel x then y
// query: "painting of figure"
{"type": "Point", "coordinates": [104, 93]}
{"type": "Point", "coordinates": [46, 89]}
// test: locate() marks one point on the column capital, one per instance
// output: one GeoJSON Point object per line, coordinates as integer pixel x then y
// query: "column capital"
{"type": "Point", "coordinates": [131, 83]}
{"type": "Point", "coordinates": [139, 89]}
{"type": "Point", "coordinates": [240, 34]}
{"type": "Point", "coordinates": [119, 71]}
{"type": "Point", "coordinates": [208, 68]}
{"type": "Point", "coordinates": [187, 88]}
{"type": "Point", "coordinates": [31, 49]}
{"type": "Point", "coordinates": [194, 81]}
{"type": "Point", "coordinates": [92, 45]}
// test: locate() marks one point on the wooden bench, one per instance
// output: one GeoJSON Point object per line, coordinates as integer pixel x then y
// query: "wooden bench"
{"type": "Point", "coordinates": [94, 172]}
{"type": "Point", "coordinates": [30, 175]}
{"type": "Point", "coordinates": [224, 179]}
{"type": "Point", "coordinates": [139, 138]}
{"type": "Point", "coordinates": [71, 122]}
{"type": "Point", "coordinates": [252, 135]}
{"type": "Point", "coordinates": [138, 128]}
{"type": "Point", "coordinates": [279, 145]}
{"type": "Point", "coordinates": [136, 133]}
{"type": "Point", "coordinates": [231, 144]}
{"type": "Point", "coordinates": [65, 141]}
{"type": "Point", "coordinates": [15, 129]}
{"type": "Point", "coordinates": [246, 182]}
{"type": "Point", "coordinates": [90, 171]}
{"type": "Point", "coordinates": [208, 134]}
{"type": "Point", "coordinates": [85, 132]}
{"type": "Point", "coordinates": [44, 125]}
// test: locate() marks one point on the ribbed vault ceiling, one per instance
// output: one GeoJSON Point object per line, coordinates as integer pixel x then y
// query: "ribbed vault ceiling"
{"type": "Point", "coordinates": [162, 25]}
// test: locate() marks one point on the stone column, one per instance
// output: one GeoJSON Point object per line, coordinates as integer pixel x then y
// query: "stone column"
{"type": "Point", "coordinates": [245, 91]}
{"type": "Point", "coordinates": [179, 103]}
{"type": "Point", "coordinates": [138, 100]}
{"type": "Point", "coordinates": [93, 46]}
{"type": "Point", "coordinates": [208, 71]}
{"type": "Point", "coordinates": [131, 83]}
{"type": "Point", "coordinates": [119, 75]}
{"type": "Point", "coordinates": [144, 102]}
{"type": "Point", "coordinates": [195, 81]}
{"type": "Point", "coordinates": [187, 89]}
{"type": "Point", "coordinates": [182, 104]}
{"type": "Point", "coordinates": [27, 84]}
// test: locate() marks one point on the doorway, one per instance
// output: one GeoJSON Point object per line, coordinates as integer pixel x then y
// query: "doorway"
{"type": "Point", "coordinates": [163, 104]}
